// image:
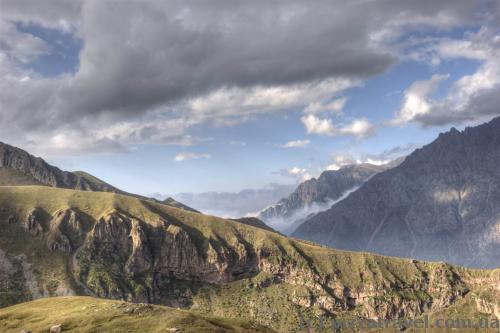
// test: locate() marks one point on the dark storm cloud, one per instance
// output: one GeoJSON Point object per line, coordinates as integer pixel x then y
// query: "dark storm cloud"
{"type": "Point", "coordinates": [141, 54]}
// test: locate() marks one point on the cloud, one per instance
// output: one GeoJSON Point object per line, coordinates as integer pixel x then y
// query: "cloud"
{"type": "Point", "coordinates": [315, 125]}
{"type": "Point", "coordinates": [57, 14]}
{"type": "Point", "coordinates": [147, 64]}
{"type": "Point", "coordinates": [341, 159]}
{"type": "Point", "coordinates": [393, 153]}
{"type": "Point", "coordinates": [288, 224]}
{"type": "Point", "coordinates": [186, 156]}
{"type": "Point", "coordinates": [298, 174]}
{"type": "Point", "coordinates": [296, 144]}
{"type": "Point", "coordinates": [472, 97]}
{"type": "Point", "coordinates": [20, 46]}
{"type": "Point", "coordinates": [319, 107]}
{"type": "Point", "coordinates": [417, 99]}
{"type": "Point", "coordinates": [234, 204]}
{"type": "Point", "coordinates": [358, 128]}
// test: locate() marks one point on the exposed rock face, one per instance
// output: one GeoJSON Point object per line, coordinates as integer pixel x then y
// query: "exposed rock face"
{"type": "Point", "coordinates": [319, 194]}
{"type": "Point", "coordinates": [34, 222]}
{"type": "Point", "coordinates": [161, 260]}
{"type": "Point", "coordinates": [165, 252]}
{"type": "Point", "coordinates": [43, 173]}
{"type": "Point", "coordinates": [441, 203]}
{"type": "Point", "coordinates": [67, 231]}
{"type": "Point", "coordinates": [18, 167]}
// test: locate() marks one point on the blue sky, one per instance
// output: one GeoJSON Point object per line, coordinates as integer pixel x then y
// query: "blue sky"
{"type": "Point", "coordinates": [121, 93]}
{"type": "Point", "coordinates": [248, 155]}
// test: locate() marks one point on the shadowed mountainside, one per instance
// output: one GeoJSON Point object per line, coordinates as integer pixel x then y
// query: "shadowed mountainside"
{"type": "Point", "coordinates": [441, 203]}
{"type": "Point", "coordinates": [315, 195]}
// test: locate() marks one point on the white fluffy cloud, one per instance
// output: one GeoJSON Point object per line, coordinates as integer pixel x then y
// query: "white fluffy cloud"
{"type": "Point", "coordinates": [358, 128]}
{"type": "Point", "coordinates": [417, 99]}
{"type": "Point", "coordinates": [296, 144]}
{"type": "Point", "coordinates": [340, 159]}
{"type": "Point", "coordinates": [333, 106]}
{"type": "Point", "coordinates": [298, 174]}
{"type": "Point", "coordinates": [471, 97]}
{"type": "Point", "coordinates": [186, 156]}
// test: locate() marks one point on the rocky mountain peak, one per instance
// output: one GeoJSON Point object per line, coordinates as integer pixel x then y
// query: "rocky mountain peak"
{"type": "Point", "coordinates": [439, 204]}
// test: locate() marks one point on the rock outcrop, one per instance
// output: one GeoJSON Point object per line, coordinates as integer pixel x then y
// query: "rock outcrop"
{"type": "Point", "coordinates": [18, 167]}
{"type": "Point", "coordinates": [124, 248]}
{"type": "Point", "coordinates": [315, 195]}
{"type": "Point", "coordinates": [119, 256]}
{"type": "Point", "coordinates": [40, 172]}
{"type": "Point", "coordinates": [441, 203]}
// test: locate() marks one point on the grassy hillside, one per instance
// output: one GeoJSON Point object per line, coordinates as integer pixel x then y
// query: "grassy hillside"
{"type": "Point", "coordinates": [57, 242]}
{"type": "Point", "coordinates": [87, 314]}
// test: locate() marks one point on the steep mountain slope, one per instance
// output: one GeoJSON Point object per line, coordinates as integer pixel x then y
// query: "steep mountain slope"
{"type": "Point", "coordinates": [18, 167]}
{"type": "Point", "coordinates": [35, 170]}
{"type": "Point", "coordinates": [441, 203]}
{"type": "Point", "coordinates": [87, 314]}
{"type": "Point", "coordinates": [174, 203]}
{"type": "Point", "coordinates": [254, 222]}
{"type": "Point", "coordinates": [66, 242]}
{"type": "Point", "coordinates": [315, 195]}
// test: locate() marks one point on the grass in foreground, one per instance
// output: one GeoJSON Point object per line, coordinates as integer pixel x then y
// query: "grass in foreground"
{"type": "Point", "coordinates": [87, 314]}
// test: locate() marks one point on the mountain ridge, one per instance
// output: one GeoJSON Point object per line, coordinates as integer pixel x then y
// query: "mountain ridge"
{"type": "Point", "coordinates": [317, 194]}
{"type": "Point", "coordinates": [57, 242]}
{"type": "Point", "coordinates": [18, 167]}
{"type": "Point", "coordinates": [436, 205]}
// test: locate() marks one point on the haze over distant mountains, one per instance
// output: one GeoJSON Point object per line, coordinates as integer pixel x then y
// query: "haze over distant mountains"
{"type": "Point", "coordinates": [247, 202]}
{"type": "Point", "coordinates": [441, 203]}
{"type": "Point", "coordinates": [316, 195]}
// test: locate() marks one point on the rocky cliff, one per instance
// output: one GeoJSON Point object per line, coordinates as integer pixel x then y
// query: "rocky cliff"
{"type": "Point", "coordinates": [37, 171]}
{"type": "Point", "coordinates": [65, 242]}
{"type": "Point", "coordinates": [315, 195]}
{"type": "Point", "coordinates": [18, 167]}
{"type": "Point", "coordinates": [441, 203]}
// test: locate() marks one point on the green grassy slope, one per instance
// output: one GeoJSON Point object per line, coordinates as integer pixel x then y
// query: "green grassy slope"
{"type": "Point", "coordinates": [87, 314]}
{"type": "Point", "coordinates": [125, 248]}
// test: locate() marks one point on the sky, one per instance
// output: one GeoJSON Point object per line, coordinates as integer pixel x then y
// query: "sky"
{"type": "Point", "coordinates": [182, 97]}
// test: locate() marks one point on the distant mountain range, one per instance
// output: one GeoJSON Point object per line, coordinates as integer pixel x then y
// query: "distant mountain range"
{"type": "Point", "coordinates": [247, 202]}
{"type": "Point", "coordinates": [316, 195]}
{"type": "Point", "coordinates": [441, 203]}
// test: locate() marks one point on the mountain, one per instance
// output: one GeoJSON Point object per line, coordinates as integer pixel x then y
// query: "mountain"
{"type": "Point", "coordinates": [254, 222]}
{"type": "Point", "coordinates": [85, 314]}
{"type": "Point", "coordinates": [315, 195]}
{"type": "Point", "coordinates": [174, 203]}
{"type": "Point", "coordinates": [18, 167]}
{"type": "Point", "coordinates": [235, 204]}
{"type": "Point", "coordinates": [62, 242]}
{"type": "Point", "coordinates": [441, 203]}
